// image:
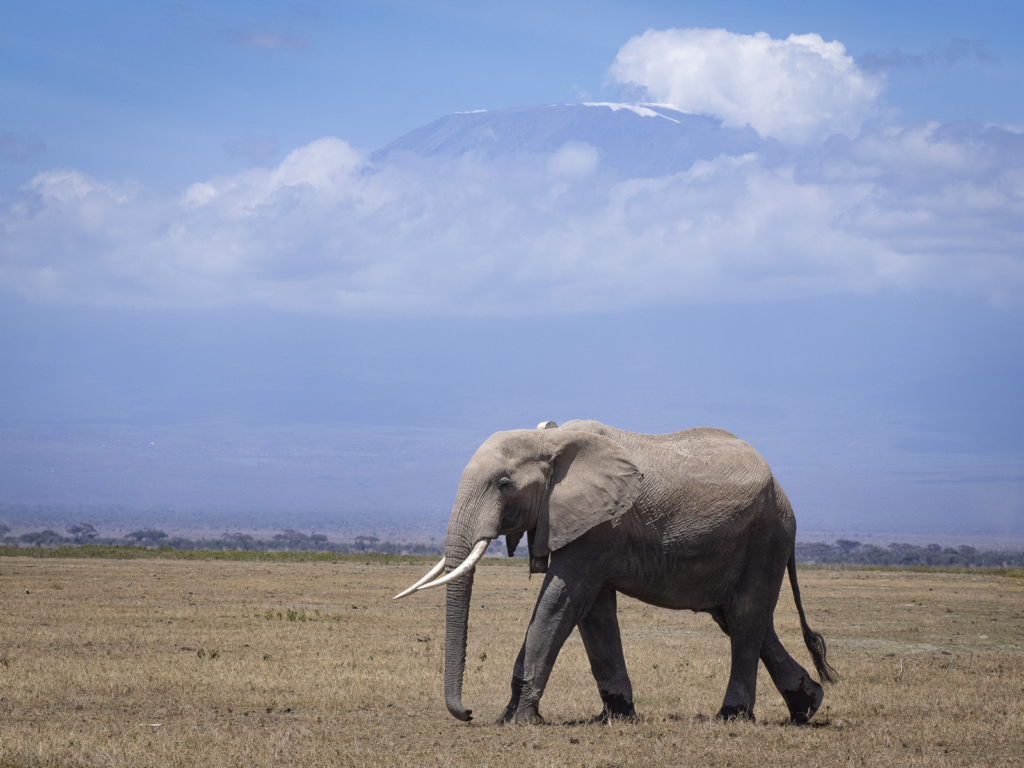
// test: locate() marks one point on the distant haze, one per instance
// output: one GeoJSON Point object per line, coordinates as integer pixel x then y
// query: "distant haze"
{"type": "Point", "coordinates": [877, 415]}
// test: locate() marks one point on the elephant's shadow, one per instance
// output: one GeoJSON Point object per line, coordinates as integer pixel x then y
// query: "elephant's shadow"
{"type": "Point", "coordinates": [676, 718]}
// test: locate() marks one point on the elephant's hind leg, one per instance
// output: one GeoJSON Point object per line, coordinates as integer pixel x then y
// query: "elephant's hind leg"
{"type": "Point", "coordinates": [741, 694]}
{"type": "Point", "coordinates": [746, 631]}
{"type": "Point", "coordinates": [802, 694]}
{"type": "Point", "coordinates": [599, 630]}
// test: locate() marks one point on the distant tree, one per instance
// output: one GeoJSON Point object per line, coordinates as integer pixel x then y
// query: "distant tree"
{"type": "Point", "coordinates": [291, 539]}
{"type": "Point", "coordinates": [238, 541]}
{"type": "Point", "coordinates": [900, 549]}
{"type": "Point", "coordinates": [846, 546]}
{"type": "Point", "coordinates": [45, 538]}
{"type": "Point", "coordinates": [147, 538]}
{"type": "Point", "coordinates": [4, 529]}
{"type": "Point", "coordinates": [83, 532]}
{"type": "Point", "coordinates": [366, 541]}
{"type": "Point", "coordinates": [875, 556]}
{"type": "Point", "coordinates": [816, 552]}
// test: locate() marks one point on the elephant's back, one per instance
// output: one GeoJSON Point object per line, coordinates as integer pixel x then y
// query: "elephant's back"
{"type": "Point", "coordinates": [638, 439]}
{"type": "Point", "coordinates": [698, 452]}
{"type": "Point", "coordinates": [708, 472]}
{"type": "Point", "coordinates": [704, 473]}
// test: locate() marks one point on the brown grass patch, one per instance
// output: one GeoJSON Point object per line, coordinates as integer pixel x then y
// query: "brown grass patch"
{"type": "Point", "coordinates": [184, 667]}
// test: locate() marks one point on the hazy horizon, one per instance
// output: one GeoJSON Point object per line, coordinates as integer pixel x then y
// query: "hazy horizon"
{"type": "Point", "coordinates": [426, 528]}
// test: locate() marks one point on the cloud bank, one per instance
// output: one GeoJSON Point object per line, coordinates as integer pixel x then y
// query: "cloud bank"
{"type": "Point", "coordinates": [559, 228]}
{"type": "Point", "coordinates": [926, 207]}
{"type": "Point", "coordinates": [797, 89]}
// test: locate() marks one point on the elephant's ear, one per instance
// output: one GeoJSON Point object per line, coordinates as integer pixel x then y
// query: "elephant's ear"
{"type": "Point", "coordinates": [593, 480]}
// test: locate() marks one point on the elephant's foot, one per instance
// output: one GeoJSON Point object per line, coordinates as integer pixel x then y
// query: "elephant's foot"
{"type": "Point", "coordinates": [616, 707]}
{"type": "Point", "coordinates": [513, 703]}
{"type": "Point", "coordinates": [804, 700]}
{"type": "Point", "coordinates": [510, 711]}
{"type": "Point", "coordinates": [517, 713]}
{"type": "Point", "coordinates": [522, 716]}
{"type": "Point", "coordinates": [735, 712]}
{"type": "Point", "coordinates": [607, 717]}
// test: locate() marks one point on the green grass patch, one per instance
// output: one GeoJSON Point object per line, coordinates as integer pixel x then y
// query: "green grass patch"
{"type": "Point", "coordinates": [99, 551]}
{"type": "Point", "coordinates": [110, 552]}
{"type": "Point", "coordinates": [1013, 573]}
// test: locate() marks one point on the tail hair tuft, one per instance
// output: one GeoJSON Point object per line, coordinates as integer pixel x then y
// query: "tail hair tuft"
{"type": "Point", "coordinates": [816, 645]}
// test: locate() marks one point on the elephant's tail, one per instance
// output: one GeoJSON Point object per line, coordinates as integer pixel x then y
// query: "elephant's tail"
{"type": "Point", "coordinates": [815, 643]}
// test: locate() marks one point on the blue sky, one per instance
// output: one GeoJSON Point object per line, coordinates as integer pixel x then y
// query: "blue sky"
{"type": "Point", "coordinates": [851, 304]}
{"type": "Point", "coordinates": [156, 90]}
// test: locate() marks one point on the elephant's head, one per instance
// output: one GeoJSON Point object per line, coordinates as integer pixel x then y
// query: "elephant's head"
{"type": "Point", "coordinates": [552, 483]}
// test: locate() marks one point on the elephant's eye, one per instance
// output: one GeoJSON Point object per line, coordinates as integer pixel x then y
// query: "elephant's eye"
{"type": "Point", "coordinates": [505, 484]}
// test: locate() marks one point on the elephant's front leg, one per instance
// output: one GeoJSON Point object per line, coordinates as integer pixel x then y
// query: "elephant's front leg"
{"type": "Point", "coordinates": [600, 632]}
{"type": "Point", "coordinates": [562, 602]}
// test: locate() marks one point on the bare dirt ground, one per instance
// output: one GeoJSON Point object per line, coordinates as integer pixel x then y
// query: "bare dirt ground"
{"type": "Point", "coordinates": [167, 663]}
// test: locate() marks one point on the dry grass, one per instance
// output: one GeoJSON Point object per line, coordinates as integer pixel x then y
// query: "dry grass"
{"type": "Point", "coordinates": [182, 667]}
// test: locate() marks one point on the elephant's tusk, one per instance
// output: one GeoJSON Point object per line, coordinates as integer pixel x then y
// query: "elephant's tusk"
{"type": "Point", "coordinates": [467, 565]}
{"type": "Point", "coordinates": [433, 572]}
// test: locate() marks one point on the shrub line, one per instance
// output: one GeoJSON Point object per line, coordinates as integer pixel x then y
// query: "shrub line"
{"type": "Point", "coordinates": [118, 552]}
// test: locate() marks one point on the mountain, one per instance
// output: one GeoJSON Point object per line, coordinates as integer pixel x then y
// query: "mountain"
{"type": "Point", "coordinates": [637, 140]}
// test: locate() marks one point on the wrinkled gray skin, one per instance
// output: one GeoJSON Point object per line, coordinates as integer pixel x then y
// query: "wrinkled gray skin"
{"type": "Point", "coordinates": [690, 520]}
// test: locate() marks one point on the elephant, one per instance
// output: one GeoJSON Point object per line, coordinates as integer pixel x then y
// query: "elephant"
{"type": "Point", "coordinates": [689, 520]}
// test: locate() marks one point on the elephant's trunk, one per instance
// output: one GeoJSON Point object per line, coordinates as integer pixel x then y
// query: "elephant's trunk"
{"type": "Point", "coordinates": [463, 534]}
{"type": "Point", "coordinates": [456, 626]}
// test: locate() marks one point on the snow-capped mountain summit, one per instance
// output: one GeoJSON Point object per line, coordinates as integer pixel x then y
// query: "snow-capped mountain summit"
{"type": "Point", "coordinates": [637, 140]}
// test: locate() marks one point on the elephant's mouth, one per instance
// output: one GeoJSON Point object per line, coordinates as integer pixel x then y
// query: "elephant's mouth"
{"type": "Point", "coordinates": [465, 567]}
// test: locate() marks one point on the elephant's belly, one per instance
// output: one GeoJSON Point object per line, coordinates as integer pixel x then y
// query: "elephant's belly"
{"type": "Point", "coordinates": [699, 559]}
{"type": "Point", "coordinates": [689, 583]}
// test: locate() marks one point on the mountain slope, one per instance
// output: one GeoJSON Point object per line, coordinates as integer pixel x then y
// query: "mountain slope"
{"type": "Point", "coordinates": [637, 140]}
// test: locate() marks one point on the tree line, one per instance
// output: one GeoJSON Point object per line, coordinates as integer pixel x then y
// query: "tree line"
{"type": "Point", "coordinates": [849, 551]}
{"type": "Point", "coordinates": [288, 541]}
{"type": "Point", "coordinates": [843, 551]}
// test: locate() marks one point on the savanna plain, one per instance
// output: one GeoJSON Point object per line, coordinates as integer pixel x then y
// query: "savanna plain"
{"type": "Point", "coordinates": [162, 662]}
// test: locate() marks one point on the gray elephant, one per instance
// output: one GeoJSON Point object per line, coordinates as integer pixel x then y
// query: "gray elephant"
{"type": "Point", "coordinates": [691, 520]}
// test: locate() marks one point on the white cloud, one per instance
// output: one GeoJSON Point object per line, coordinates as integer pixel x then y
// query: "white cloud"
{"type": "Point", "coordinates": [574, 159]}
{"type": "Point", "coordinates": [798, 89]}
{"type": "Point", "coordinates": [929, 207]}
